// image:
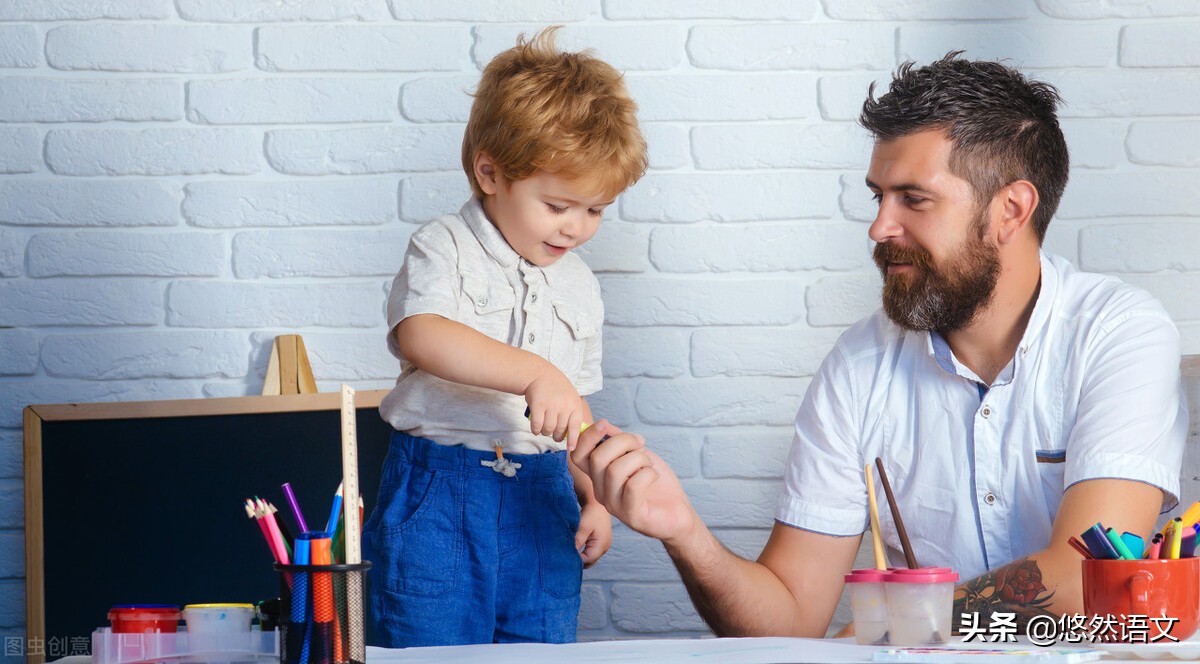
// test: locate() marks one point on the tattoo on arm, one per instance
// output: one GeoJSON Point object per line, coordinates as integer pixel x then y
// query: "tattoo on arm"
{"type": "Point", "coordinates": [1016, 588]}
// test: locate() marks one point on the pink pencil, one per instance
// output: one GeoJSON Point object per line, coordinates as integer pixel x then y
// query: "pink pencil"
{"type": "Point", "coordinates": [253, 514]}
{"type": "Point", "coordinates": [274, 528]}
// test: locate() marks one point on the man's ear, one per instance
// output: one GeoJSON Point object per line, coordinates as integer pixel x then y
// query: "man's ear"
{"type": "Point", "coordinates": [1018, 201]}
{"type": "Point", "coordinates": [487, 173]}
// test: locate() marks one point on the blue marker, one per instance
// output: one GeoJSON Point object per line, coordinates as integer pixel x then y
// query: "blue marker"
{"type": "Point", "coordinates": [1097, 542]}
{"type": "Point", "coordinates": [299, 616]}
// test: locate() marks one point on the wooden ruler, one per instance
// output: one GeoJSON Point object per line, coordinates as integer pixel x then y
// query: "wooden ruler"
{"type": "Point", "coordinates": [350, 477]}
{"type": "Point", "coordinates": [354, 589]}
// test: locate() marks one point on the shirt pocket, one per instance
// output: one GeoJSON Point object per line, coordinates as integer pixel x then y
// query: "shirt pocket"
{"type": "Point", "coordinates": [1052, 469]}
{"type": "Point", "coordinates": [487, 307]}
{"type": "Point", "coordinates": [572, 332]}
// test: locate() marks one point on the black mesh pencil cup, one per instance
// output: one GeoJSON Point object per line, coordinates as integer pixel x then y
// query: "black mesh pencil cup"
{"type": "Point", "coordinates": [321, 613]}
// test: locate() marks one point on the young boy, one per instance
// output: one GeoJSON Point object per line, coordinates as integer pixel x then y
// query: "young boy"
{"type": "Point", "coordinates": [482, 527]}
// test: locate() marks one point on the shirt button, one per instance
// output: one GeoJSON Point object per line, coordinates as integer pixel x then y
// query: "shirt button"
{"type": "Point", "coordinates": [990, 498]}
{"type": "Point", "coordinates": [532, 338]}
{"type": "Point", "coordinates": [533, 298]}
{"type": "Point", "coordinates": [481, 301]}
{"type": "Point", "coordinates": [987, 411]}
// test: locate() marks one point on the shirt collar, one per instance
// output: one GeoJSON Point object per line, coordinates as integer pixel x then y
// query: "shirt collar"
{"type": "Point", "coordinates": [940, 351]}
{"type": "Point", "coordinates": [497, 247]}
{"type": "Point", "coordinates": [1039, 320]}
{"type": "Point", "coordinates": [488, 235]}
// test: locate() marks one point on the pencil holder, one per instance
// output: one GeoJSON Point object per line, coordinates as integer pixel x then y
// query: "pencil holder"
{"type": "Point", "coordinates": [1141, 600]}
{"type": "Point", "coordinates": [321, 613]}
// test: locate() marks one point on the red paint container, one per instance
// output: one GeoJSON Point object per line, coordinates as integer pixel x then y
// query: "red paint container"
{"type": "Point", "coordinates": [144, 618]}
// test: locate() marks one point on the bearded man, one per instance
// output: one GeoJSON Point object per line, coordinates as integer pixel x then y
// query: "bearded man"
{"type": "Point", "coordinates": [1014, 401]}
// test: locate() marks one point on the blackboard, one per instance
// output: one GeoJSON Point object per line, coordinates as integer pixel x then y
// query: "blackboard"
{"type": "Point", "coordinates": [144, 502]}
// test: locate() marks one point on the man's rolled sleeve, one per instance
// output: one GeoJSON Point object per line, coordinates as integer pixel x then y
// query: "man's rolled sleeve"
{"type": "Point", "coordinates": [1132, 421]}
{"type": "Point", "coordinates": [824, 485]}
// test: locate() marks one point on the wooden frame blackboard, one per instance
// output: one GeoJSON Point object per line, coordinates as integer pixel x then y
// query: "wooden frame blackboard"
{"type": "Point", "coordinates": [142, 502]}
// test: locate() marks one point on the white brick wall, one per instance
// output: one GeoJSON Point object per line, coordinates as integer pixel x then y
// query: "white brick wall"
{"type": "Point", "coordinates": [181, 180]}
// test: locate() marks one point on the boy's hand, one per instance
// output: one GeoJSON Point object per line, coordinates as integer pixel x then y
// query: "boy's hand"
{"type": "Point", "coordinates": [555, 408]}
{"type": "Point", "coordinates": [594, 536]}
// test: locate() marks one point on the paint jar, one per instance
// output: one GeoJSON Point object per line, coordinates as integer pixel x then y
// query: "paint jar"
{"type": "Point", "coordinates": [144, 618]}
{"type": "Point", "coordinates": [218, 618]}
{"type": "Point", "coordinates": [920, 605]}
{"type": "Point", "coordinates": [139, 630]}
{"type": "Point", "coordinates": [868, 605]}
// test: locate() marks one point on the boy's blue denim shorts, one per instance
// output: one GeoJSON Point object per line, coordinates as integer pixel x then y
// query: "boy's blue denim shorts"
{"type": "Point", "coordinates": [463, 554]}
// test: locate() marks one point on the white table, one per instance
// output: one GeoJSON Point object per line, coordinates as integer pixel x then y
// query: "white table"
{"type": "Point", "coordinates": [664, 651]}
{"type": "Point", "coordinates": [765, 650]}
{"type": "Point", "coordinates": [660, 651]}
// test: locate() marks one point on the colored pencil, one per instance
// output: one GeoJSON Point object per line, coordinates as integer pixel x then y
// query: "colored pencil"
{"type": "Point", "coordinates": [253, 514]}
{"type": "Point", "coordinates": [273, 526]}
{"type": "Point", "coordinates": [283, 529]}
{"type": "Point", "coordinates": [295, 505]}
{"type": "Point", "coordinates": [335, 512]}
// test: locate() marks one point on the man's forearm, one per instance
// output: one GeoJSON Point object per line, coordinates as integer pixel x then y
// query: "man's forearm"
{"type": "Point", "coordinates": [1016, 588]}
{"type": "Point", "coordinates": [734, 596]}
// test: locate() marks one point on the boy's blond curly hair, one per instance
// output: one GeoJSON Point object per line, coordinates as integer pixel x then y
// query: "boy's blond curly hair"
{"type": "Point", "coordinates": [537, 108]}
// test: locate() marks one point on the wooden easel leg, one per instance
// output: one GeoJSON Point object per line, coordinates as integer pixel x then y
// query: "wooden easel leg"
{"type": "Point", "coordinates": [288, 371]}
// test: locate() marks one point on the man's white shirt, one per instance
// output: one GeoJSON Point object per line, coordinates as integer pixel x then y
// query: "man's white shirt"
{"type": "Point", "coordinates": [1093, 391]}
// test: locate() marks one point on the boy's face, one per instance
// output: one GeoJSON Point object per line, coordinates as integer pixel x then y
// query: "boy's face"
{"type": "Point", "coordinates": [542, 216]}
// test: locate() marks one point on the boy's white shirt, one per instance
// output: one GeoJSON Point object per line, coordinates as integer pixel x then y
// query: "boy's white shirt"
{"type": "Point", "coordinates": [459, 266]}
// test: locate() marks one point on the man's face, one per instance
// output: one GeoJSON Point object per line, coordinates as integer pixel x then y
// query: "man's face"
{"type": "Point", "coordinates": [939, 266]}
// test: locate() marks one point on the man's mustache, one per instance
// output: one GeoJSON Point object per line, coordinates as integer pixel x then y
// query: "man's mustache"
{"type": "Point", "coordinates": [888, 252]}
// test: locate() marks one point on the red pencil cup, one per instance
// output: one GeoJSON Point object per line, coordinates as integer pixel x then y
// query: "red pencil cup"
{"type": "Point", "coordinates": [1141, 600]}
{"type": "Point", "coordinates": [321, 613]}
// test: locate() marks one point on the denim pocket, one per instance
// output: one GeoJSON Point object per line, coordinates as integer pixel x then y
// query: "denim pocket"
{"type": "Point", "coordinates": [559, 565]}
{"type": "Point", "coordinates": [418, 536]}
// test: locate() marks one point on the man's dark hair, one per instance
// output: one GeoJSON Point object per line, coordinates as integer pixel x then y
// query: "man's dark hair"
{"type": "Point", "coordinates": [1002, 125]}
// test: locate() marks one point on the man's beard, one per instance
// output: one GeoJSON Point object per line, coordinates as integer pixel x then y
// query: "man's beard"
{"type": "Point", "coordinates": [933, 297]}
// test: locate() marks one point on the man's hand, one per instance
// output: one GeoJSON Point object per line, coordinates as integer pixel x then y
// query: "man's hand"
{"type": "Point", "coordinates": [555, 408]}
{"type": "Point", "coordinates": [594, 536]}
{"type": "Point", "coordinates": [635, 484]}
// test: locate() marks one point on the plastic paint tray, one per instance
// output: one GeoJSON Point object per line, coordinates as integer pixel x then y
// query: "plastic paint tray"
{"type": "Point", "coordinates": [252, 646]}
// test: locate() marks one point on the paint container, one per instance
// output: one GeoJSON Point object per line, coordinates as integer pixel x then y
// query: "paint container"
{"type": "Point", "coordinates": [868, 605]}
{"type": "Point", "coordinates": [218, 618]}
{"type": "Point", "coordinates": [920, 603]}
{"type": "Point", "coordinates": [141, 629]}
{"type": "Point", "coordinates": [144, 618]}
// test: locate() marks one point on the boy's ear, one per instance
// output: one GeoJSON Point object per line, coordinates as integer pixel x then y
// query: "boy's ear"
{"type": "Point", "coordinates": [487, 174]}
